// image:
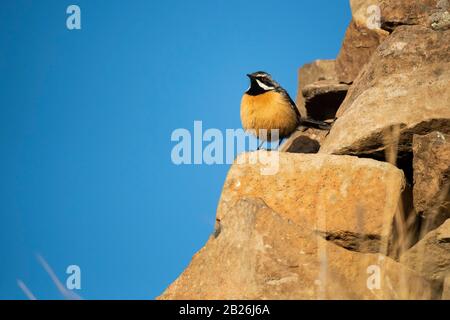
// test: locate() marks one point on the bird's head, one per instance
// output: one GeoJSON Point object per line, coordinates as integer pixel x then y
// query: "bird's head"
{"type": "Point", "coordinates": [261, 82]}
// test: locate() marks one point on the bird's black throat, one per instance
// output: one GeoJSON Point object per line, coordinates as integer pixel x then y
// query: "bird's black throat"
{"type": "Point", "coordinates": [255, 89]}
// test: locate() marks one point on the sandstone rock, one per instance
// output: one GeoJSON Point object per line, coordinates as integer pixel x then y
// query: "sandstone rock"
{"type": "Point", "coordinates": [407, 49]}
{"type": "Point", "coordinates": [359, 44]}
{"type": "Point", "coordinates": [304, 141]}
{"type": "Point", "coordinates": [371, 19]}
{"type": "Point", "coordinates": [440, 20]}
{"type": "Point", "coordinates": [321, 192]}
{"type": "Point", "coordinates": [312, 72]}
{"type": "Point", "coordinates": [432, 176]}
{"type": "Point", "coordinates": [323, 98]}
{"type": "Point", "coordinates": [405, 88]}
{"type": "Point", "coordinates": [413, 12]}
{"type": "Point", "coordinates": [261, 255]}
{"type": "Point", "coordinates": [430, 257]}
{"type": "Point", "coordinates": [352, 241]}
{"type": "Point", "coordinates": [446, 289]}
{"type": "Point", "coordinates": [363, 11]}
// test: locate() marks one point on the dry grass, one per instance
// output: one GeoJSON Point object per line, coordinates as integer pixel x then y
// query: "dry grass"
{"type": "Point", "coordinates": [65, 293]}
{"type": "Point", "coordinates": [404, 231]}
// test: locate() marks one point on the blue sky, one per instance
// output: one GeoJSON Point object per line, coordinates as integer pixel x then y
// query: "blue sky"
{"type": "Point", "coordinates": [86, 118]}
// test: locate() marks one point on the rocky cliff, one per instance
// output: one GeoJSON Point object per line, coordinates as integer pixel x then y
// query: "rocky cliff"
{"type": "Point", "coordinates": [360, 213]}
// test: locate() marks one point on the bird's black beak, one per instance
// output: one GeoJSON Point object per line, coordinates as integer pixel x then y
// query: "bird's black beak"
{"type": "Point", "coordinates": [249, 75]}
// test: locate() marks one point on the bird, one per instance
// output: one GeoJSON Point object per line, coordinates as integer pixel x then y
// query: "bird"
{"type": "Point", "coordinates": [267, 106]}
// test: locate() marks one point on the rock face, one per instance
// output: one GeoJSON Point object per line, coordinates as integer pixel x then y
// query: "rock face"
{"type": "Point", "coordinates": [362, 10]}
{"type": "Point", "coordinates": [429, 13]}
{"type": "Point", "coordinates": [431, 256]}
{"type": "Point", "coordinates": [372, 22]}
{"type": "Point", "coordinates": [405, 87]}
{"type": "Point", "coordinates": [432, 176]}
{"type": "Point", "coordinates": [446, 289]}
{"type": "Point", "coordinates": [363, 36]}
{"type": "Point", "coordinates": [407, 49]}
{"type": "Point", "coordinates": [359, 44]}
{"type": "Point", "coordinates": [321, 192]}
{"type": "Point", "coordinates": [304, 141]}
{"type": "Point", "coordinates": [312, 72]}
{"type": "Point", "coordinates": [259, 254]}
{"type": "Point", "coordinates": [323, 98]}
{"type": "Point", "coordinates": [440, 20]}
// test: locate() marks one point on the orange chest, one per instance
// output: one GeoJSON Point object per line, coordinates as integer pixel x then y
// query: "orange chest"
{"type": "Point", "coordinates": [266, 103]}
{"type": "Point", "coordinates": [270, 110]}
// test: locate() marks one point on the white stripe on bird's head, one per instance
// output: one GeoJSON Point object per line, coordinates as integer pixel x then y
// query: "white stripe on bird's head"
{"type": "Point", "coordinates": [264, 86]}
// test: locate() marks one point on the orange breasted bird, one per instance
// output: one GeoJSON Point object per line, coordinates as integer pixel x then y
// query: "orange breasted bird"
{"type": "Point", "coordinates": [266, 105]}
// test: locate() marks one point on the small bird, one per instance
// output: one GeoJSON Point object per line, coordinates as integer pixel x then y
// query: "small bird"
{"type": "Point", "coordinates": [266, 105]}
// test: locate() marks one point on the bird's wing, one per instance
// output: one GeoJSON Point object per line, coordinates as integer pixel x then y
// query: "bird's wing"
{"type": "Point", "coordinates": [307, 122]}
{"type": "Point", "coordinates": [291, 102]}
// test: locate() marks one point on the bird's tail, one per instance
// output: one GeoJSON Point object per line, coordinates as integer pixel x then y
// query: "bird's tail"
{"type": "Point", "coordinates": [308, 122]}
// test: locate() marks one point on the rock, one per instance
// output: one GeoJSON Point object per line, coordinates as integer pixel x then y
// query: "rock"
{"type": "Point", "coordinates": [407, 49]}
{"type": "Point", "coordinates": [404, 89]}
{"type": "Point", "coordinates": [412, 12]}
{"type": "Point", "coordinates": [374, 19]}
{"type": "Point", "coordinates": [446, 289]}
{"type": "Point", "coordinates": [430, 257]}
{"type": "Point", "coordinates": [323, 98]}
{"type": "Point", "coordinates": [299, 142]}
{"type": "Point", "coordinates": [363, 11]}
{"type": "Point", "coordinates": [443, 233]}
{"type": "Point", "coordinates": [321, 192]}
{"type": "Point", "coordinates": [304, 141]}
{"type": "Point", "coordinates": [261, 255]}
{"type": "Point", "coordinates": [352, 241]}
{"type": "Point", "coordinates": [359, 44]}
{"type": "Point", "coordinates": [312, 72]}
{"type": "Point", "coordinates": [440, 20]}
{"type": "Point", "coordinates": [431, 166]}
